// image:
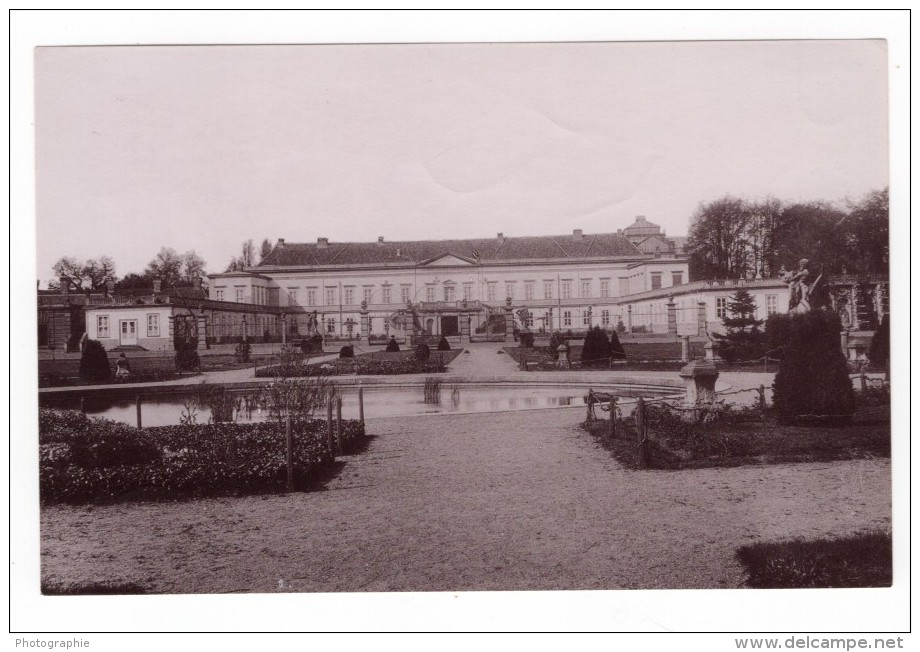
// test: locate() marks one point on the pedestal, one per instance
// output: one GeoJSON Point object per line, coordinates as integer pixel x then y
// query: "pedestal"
{"type": "Point", "coordinates": [562, 351]}
{"type": "Point", "coordinates": [509, 324]}
{"type": "Point", "coordinates": [685, 348]}
{"type": "Point", "coordinates": [672, 316]}
{"type": "Point", "coordinates": [700, 378]}
{"type": "Point", "coordinates": [365, 324]}
{"type": "Point", "coordinates": [712, 352]}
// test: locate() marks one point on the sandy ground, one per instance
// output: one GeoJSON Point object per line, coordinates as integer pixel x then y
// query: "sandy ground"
{"type": "Point", "coordinates": [505, 501]}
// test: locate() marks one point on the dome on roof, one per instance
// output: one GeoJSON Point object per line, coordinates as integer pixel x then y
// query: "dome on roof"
{"type": "Point", "coordinates": [642, 227]}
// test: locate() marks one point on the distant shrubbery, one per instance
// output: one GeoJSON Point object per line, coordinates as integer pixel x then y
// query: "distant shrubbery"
{"type": "Point", "coordinates": [347, 351]}
{"type": "Point", "coordinates": [242, 352]}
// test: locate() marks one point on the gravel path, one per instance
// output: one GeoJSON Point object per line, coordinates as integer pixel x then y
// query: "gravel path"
{"type": "Point", "coordinates": [507, 501]}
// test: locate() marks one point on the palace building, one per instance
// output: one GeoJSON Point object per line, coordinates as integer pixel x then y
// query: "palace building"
{"type": "Point", "coordinates": [471, 288]}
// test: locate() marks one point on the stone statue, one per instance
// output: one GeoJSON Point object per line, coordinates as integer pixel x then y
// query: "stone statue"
{"type": "Point", "coordinates": [524, 318]}
{"type": "Point", "coordinates": [312, 323]}
{"type": "Point", "coordinates": [805, 291]}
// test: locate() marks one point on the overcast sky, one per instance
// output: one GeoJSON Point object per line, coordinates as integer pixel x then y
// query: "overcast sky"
{"type": "Point", "coordinates": [204, 147]}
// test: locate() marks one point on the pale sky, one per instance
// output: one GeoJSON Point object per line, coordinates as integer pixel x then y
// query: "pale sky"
{"type": "Point", "coordinates": [204, 147]}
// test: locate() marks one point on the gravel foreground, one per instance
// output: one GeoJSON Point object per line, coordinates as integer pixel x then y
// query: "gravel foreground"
{"type": "Point", "coordinates": [504, 501]}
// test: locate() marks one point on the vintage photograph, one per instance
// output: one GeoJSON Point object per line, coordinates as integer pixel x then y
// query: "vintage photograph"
{"type": "Point", "coordinates": [463, 317]}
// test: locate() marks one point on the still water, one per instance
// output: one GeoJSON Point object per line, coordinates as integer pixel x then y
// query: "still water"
{"type": "Point", "coordinates": [378, 402]}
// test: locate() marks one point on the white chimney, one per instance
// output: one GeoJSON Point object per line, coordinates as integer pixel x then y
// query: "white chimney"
{"type": "Point", "coordinates": [379, 239]}
{"type": "Point", "coordinates": [577, 234]}
{"type": "Point", "coordinates": [322, 243]}
{"type": "Point", "coordinates": [280, 243]}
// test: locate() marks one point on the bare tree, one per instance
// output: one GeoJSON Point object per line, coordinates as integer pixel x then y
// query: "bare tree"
{"type": "Point", "coordinates": [92, 274]}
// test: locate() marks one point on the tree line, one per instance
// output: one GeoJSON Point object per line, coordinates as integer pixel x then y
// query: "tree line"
{"type": "Point", "coordinates": [737, 238]}
{"type": "Point", "coordinates": [173, 269]}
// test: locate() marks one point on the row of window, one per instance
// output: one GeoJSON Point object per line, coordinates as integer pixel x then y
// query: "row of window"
{"type": "Point", "coordinates": [449, 291]}
{"type": "Point", "coordinates": [103, 322]}
{"type": "Point", "coordinates": [722, 305]}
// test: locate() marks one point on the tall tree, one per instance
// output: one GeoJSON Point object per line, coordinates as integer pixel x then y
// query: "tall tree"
{"type": "Point", "coordinates": [265, 249]}
{"type": "Point", "coordinates": [247, 258]}
{"type": "Point", "coordinates": [193, 266]}
{"type": "Point", "coordinates": [813, 230]}
{"type": "Point", "coordinates": [79, 275]}
{"type": "Point", "coordinates": [166, 266]}
{"type": "Point", "coordinates": [867, 226]}
{"type": "Point", "coordinates": [718, 239]}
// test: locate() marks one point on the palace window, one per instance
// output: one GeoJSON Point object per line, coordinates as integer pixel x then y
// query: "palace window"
{"type": "Point", "coordinates": [330, 296]}
{"type": "Point", "coordinates": [153, 325]}
{"type": "Point", "coordinates": [490, 289]}
{"type": "Point", "coordinates": [405, 293]}
{"type": "Point", "coordinates": [468, 292]}
{"type": "Point", "coordinates": [239, 295]}
{"type": "Point", "coordinates": [429, 293]}
{"type": "Point", "coordinates": [567, 318]}
{"type": "Point", "coordinates": [771, 304]}
{"type": "Point", "coordinates": [720, 307]}
{"type": "Point", "coordinates": [311, 296]}
{"type": "Point", "coordinates": [330, 325]}
{"type": "Point", "coordinates": [349, 296]}
{"type": "Point", "coordinates": [102, 326]}
{"type": "Point", "coordinates": [605, 317]}
{"type": "Point", "coordinates": [219, 295]}
{"type": "Point", "coordinates": [449, 293]}
{"type": "Point", "coordinates": [585, 289]}
{"type": "Point", "coordinates": [367, 294]}
{"type": "Point", "coordinates": [385, 295]}
{"type": "Point", "coordinates": [292, 296]}
{"type": "Point", "coordinates": [509, 289]}
{"type": "Point", "coordinates": [567, 289]}
{"type": "Point", "coordinates": [547, 289]}
{"type": "Point", "coordinates": [656, 280]}
{"type": "Point", "coordinates": [677, 278]}
{"type": "Point", "coordinates": [528, 290]}
{"type": "Point", "coordinates": [605, 288]}
{"type": "Point", "coordinates": [585, 318]}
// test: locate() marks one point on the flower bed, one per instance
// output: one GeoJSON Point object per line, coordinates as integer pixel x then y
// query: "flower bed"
{"type": "Point", "coordinates": [96, 460]}
{"type": "Point", "coordinates": [378, 363]}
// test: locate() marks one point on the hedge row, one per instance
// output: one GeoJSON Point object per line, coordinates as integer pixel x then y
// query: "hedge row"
{"type": "Point", "coordinates": [97, 460]}
{"type": "Point", "coordinates": [364, 365]}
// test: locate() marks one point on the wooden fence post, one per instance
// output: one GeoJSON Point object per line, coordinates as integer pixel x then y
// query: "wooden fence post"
{"type": "Point", "coordinates": [641, 444]}
{"type": "Point", "coordinates": [339, 444]}
{"type": "Point", "coordinates": [137, 402]}
{"type": "Point", "coordinates": [329, 434]}
{"type": "Point", "coordinates": [863, 385]}
{"type": "Point", "coordinates": [590, 405]}
{"type": "Point", "coordinates": [762, 397]}
{"type": "Point", "coordinates": [290, 453]}
{"type": "Point", "coordinates": [361, 405]}
{"type": "Point", "coordinates": [612, 425]}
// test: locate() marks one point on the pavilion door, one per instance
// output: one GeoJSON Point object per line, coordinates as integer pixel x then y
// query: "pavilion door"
{"type": "Point", "coordinates": [127, 332]}
{"type": "Point", "coordinates": [450, 326]}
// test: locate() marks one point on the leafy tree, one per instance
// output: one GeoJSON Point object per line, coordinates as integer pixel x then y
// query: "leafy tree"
{"type": "Point", "coordinates": [743, 339]}
{"type": "Point", "coordinates": [134, 281]}
{"type": "Point", "coordinates": [717, 239]}
{"type": "Point", "coordinates": [79, 275]}
{"type": "Point", "coordinates": [813, 230]}
{"type": "Point", "coordinates": [265, 249]}
{"type": "Point", "coordinates": [867, 228]}
{"type": "Point", "coordinates": [175, 269]}
{"type": "Point", "coordinates": [247, 258]}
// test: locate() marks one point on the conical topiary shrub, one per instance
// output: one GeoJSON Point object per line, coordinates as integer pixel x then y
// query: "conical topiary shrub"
{"type": "Point", "coordinates": [94, 363]}
{"type": "Point", "coordinates": [813, 384]}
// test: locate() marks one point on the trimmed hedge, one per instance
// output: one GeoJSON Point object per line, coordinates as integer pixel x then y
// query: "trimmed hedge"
{"type": "Point", "coordinates": [813, 378]}
{"type": "Point", "coordinates": [96, 460]}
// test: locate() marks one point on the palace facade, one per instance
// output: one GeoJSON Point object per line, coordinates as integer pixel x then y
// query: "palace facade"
{"type": "Point", "coordinates": [471, 288]}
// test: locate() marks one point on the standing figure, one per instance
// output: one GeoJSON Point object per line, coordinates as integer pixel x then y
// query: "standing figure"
{"type": "Point", "coordinates": [122, 368]}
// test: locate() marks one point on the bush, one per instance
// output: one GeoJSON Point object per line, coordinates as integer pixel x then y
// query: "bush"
{"type": "Point", "coordinates": [597, 346]}
{"type": "Point", "coordinates": [812, 377]}
{"type": "Point", "coordinates": [616, 348]}
{"type": "Point", "coordinates": [242, 352]}
{"type": "Point", "coordinates": [175, 461]}
{"type": "Point", "coordinates": [621, 327]}
{"type": "Point", "coordinates": [880, 346]}
{"type": "Point", "coordinates": [555, 341]}
{"type": "Point", "coordinates": [94, 363]}
{"type": "Point", "coordinates": [347, 351]}
{"type": "Point", "coordinates": [422, 352]}
{"type": "Point", "coordinates": [526, 339]}
{"type": "Point", "coordinates": [443, 345]}
{"type": "Point", "coordinates": [187, 360]}
{"type": "Point", "coordinates": [393, 345]}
